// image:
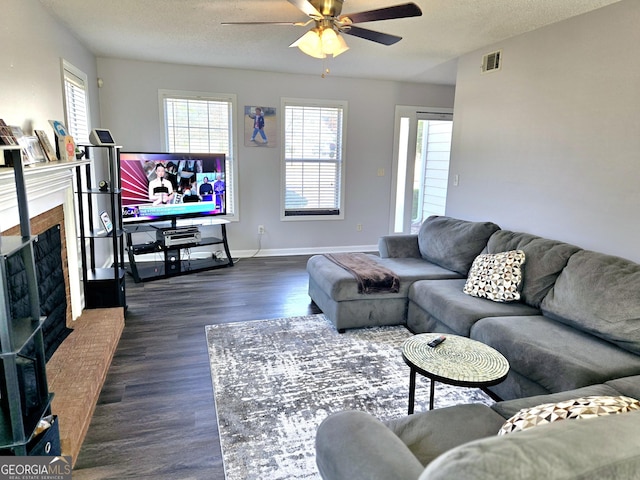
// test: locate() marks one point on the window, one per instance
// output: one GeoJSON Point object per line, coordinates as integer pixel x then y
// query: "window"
{"type": "Point", "coordinates": [313, 166]}
{"type": "Point", "coordinates": [431, 172]}
{"type": "Point", "coordinates": [422, 148]}
{"type": "Point", "coordinates": [202, 123]}
{"type": "Point", "coordinates": [75, 102]}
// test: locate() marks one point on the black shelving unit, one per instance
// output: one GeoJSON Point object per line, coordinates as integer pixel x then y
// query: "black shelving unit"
{"type": "Point", "coordinates": [172, 262]}
{"type": "Point", "coordinates": [24, 393]}
{"type": "Point", "coordinates": [104, 285]}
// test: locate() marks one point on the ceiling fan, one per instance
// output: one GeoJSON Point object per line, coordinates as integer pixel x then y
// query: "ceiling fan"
{"type": "Point", "coordinates": [325, 39]}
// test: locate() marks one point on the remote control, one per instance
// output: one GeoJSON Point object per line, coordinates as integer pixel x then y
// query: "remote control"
{"type": "Point", "coordinates": [437, 341]}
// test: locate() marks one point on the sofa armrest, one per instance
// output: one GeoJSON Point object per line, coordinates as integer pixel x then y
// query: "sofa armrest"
{"type": "Point", "coordinates": [353, 445]}
{"type": "Point", "coordinates": [594, 448]}
{"type": "Point", "coordinates": [399, 246]}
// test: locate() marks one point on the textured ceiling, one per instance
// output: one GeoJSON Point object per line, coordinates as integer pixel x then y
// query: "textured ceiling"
{"type": "Point", "coordinates": [190, 32]}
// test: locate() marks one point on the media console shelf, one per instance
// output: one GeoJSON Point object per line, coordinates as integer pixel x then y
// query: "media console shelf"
{"type": "Point", "coordinates": [172, 262]}
{"type": "Point", "coordinates": [103, 285]}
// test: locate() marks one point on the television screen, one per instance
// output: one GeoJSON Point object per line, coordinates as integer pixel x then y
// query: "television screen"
{"type": "Point", "coordinates": [166, 186]}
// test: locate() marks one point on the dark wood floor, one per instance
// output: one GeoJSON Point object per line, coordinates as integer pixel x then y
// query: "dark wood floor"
{"type": "Point", "coordinates": [155, 418]}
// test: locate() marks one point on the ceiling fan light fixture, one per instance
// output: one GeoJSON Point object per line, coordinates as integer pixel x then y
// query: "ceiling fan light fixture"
{"type": "Point", "coordinates": [329, 40]}
{"type": "Point", "coordinates": [332, 43]}
{"type": "Point", "coordinates": [310, 44]}
{"type": "Point", "coordinates": [341, 46]}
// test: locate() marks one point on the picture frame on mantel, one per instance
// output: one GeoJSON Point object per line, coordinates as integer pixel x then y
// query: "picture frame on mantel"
{"type": "Point", "coordinates": [65, 143]}
{"type": "Point", "coordinates": [32, 151]}
{"type": "Point", "coordinates": [46, 145]}
{"type": "Point", "coordinates": [6, 135]}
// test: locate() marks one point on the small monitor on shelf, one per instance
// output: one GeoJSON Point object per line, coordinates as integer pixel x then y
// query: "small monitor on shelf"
{"type": "Point", "coordinates": [101, 137]}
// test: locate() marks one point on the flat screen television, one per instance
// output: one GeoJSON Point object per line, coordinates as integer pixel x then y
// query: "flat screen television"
{"type": "Point", "coordinates": [168, 186]}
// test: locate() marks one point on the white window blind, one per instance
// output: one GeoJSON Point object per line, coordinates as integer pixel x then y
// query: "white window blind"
{"type": "Point", "coordinates": [202, 124]}
{"type": "Point", "coordinates": [76, 104]}
{"type": "Point", "coordinates": [313, 166]}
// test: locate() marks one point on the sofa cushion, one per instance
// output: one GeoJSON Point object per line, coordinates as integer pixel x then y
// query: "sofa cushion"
{"type": "Point", "coordinates": [423, 432]}
{"type": "Point", "coordinates": [508, 408]}
{"type": "Point", "coordinates": [445, 301]}
{"type": "Point", "coordinates": [573, 409]}
{"type": "Point", "coordinates": [453, 243]}
{"type": "Point", "coordinates": [545, 260]}
{"type": "Point", "coordinates": [399, 246]}
{"type": "Point", "coordinates": [496, 276]}
{"type": "Point", "coordinates": [601, 448]}
{"type": "Point", "coordinates": [599, 294]}
{"type": "Point", "coordinates": [556, 356]}
{"type": "Point", "coordinates": [629, 386]}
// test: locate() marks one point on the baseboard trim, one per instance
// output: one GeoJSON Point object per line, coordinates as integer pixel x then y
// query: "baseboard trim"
{"type": "Point", "coordinates": [266, 252]}
{"type": "Point", "coordinates": [281, 252]}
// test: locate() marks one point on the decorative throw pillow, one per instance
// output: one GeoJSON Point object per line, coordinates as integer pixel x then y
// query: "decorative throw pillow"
{"type": "Point", "coordinates": [584, 407]}
{"type": "Point", "coordinates": [496, 276]}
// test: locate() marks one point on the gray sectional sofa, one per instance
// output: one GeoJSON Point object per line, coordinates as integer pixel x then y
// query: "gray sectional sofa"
{"type": "Point", "coordinates": [574, 332]}
{"type": "Point", "coordinates": [577, 322]}
{"type": "Point", "coordinates": [461, 443]}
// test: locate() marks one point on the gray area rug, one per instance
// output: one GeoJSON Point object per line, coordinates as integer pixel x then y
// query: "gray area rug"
{"type": "Point", "coordinates": [276, 380]}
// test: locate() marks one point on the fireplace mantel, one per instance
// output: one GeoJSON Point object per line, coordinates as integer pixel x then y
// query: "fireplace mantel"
{"type": "Point", "coordinates": [48, 185]}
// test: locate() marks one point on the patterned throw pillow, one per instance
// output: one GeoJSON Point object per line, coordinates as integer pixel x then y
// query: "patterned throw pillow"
{"type": "Point", "coordinates": [584, 407]}
{"type": "Point", "coordinates": [496, 276]}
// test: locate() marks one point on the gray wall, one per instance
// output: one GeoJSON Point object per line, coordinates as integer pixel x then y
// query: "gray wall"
{"type": "Point", "coordinates": [130, 108]}
{"type": "Point", "coordinates": [30, 80]}
{"type": "Point", "coordinates": [551, 143]}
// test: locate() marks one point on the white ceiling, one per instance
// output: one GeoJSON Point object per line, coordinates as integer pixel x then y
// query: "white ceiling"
{"type": "Point", "coordinates": [190, 32]}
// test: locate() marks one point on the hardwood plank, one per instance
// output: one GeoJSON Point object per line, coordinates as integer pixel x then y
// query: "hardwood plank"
{"type": "Point", "coordinates": [156, 417]}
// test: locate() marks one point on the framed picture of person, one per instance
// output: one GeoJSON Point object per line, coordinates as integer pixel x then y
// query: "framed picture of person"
{"type": "Point", "coordinates": [260, 126]}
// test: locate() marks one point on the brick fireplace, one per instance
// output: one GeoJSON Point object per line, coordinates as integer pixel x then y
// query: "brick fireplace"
{"type": "Point", "coordinates": [78, 368]}
{"type": "Point", "coordinates": [51, 202]}
{"type": "Point", "coordinates": [41, 224]}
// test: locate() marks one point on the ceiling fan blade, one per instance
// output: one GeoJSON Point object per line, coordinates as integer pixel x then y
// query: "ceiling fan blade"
{"type": "Point", "coordinates": [296, 24]}
{"type": "Point", "coordinates": [378, 37]}
{"type": "Point", "coordinates": [389, 13]}
{"type": "Point", "coordinates": [306, 7]}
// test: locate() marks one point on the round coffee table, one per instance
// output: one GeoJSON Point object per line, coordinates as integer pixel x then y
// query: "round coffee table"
{"type": "Point", "coordinates": [458, 361]}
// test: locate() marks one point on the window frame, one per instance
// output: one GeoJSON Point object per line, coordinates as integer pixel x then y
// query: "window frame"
{"type": "Point", "coordinates": [317, 103]}
{"type": "Point", "coordinates": [404, 153]}
{"type": "Point", "coordinates": [68, 71]}
{"type": "Point", "coordinates": [231, 157]}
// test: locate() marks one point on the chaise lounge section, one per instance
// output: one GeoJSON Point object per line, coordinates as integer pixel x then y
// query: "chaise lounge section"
{"type": "Point", "coordinates": [444, 249]}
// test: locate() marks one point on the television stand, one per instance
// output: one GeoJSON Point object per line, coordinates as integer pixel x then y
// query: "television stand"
{"type": "Point", "coordinates": [169, 244]}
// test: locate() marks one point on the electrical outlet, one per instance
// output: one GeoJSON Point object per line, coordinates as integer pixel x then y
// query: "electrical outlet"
{"type": "Point", "coordinates": [260, 229]}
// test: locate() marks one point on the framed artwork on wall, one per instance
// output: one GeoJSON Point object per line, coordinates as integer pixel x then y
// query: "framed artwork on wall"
{"type": "Point", "coordinates": [260, 126]}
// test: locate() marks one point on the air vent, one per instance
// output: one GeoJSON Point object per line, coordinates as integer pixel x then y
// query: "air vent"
{"type": "Point", "coordinates": [492, 61]}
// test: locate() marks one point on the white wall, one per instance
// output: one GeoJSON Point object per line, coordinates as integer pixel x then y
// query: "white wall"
{"type": "Point", "coordinates": [551, 143]}
{"type": "Point", "coordinates": [129, 106]}
{"type": "Point", "coordinates": [31, 93]}
{"type": "Point", "coordinates": [33, 44]}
